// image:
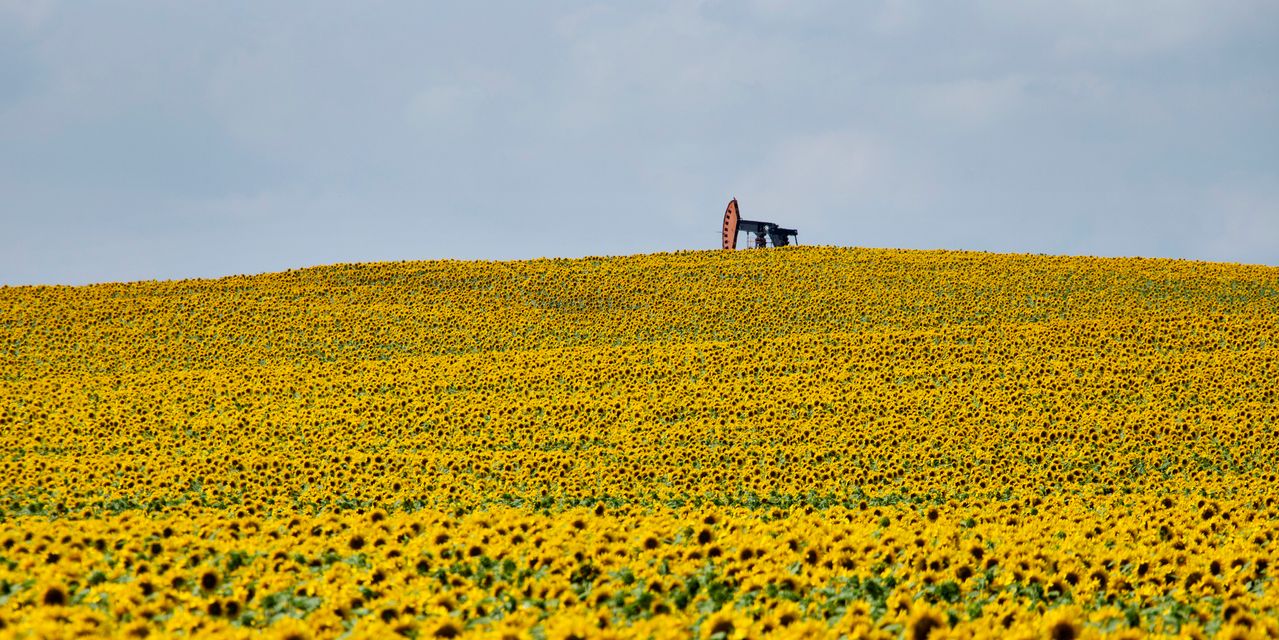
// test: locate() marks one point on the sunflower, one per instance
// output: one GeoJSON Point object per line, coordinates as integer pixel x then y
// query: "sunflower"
{"type": "Point", "coordinates": [1062, 623]}
{"type": "Point", "coordinates": [723, 624]}
{"type": "Point", "coordinates": [784, 615]}
{"type": "Point", "coordinates": [923, 621]}
{"type": "Point", "coordinates": [54, 596]}
{"type": "Point", "coordinates": [571, 626]}
{"type": "Point", "coordinates": [136, 629]}
{"type": "Point", "coordinates": [290, 628]}
{"type": "Point", "coordinates": [447, 628]}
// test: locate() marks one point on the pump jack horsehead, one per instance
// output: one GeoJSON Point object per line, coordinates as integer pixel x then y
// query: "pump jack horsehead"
{"type": "Point", "coordinates": [766, 233]}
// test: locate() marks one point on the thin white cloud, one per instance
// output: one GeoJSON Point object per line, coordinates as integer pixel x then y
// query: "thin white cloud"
{"type": "Point", "coordinates": [897, 16]}
{"type": "Point", "coordinates": [1242, 222]}
{"type": "Point", "coordinates": [1090, 28]}
{"type": "Point", "coordinates": [30, 15]}
{"type": "Point", "coordinates": [814, 180]}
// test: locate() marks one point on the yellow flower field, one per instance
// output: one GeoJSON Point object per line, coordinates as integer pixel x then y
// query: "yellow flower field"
{"type": "Point", "coordinates": [800, 442]}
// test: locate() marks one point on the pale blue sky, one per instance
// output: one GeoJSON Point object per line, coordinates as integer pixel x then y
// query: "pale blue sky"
{"type": "Point", "coordinates": [144, 140]}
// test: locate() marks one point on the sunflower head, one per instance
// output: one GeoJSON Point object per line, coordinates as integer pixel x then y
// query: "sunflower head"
{"type": "Point", "coordinates": [1063, 623]}
{"type": "Point", "coordinates": [54, 596]}
{"type": "Point", "coordinates": [446, 629]}
{"type": "Point", "coordinates": [721, 624]}
{"type": "Point", "coordinates": [923, 621]}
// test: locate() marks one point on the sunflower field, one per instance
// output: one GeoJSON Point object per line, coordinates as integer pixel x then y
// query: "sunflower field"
{"type": "Point", "coordinates": [794, 442]}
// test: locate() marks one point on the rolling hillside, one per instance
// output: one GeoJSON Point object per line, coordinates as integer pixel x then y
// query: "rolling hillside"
{"type": "Point", "coordinates": [812, 440]}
